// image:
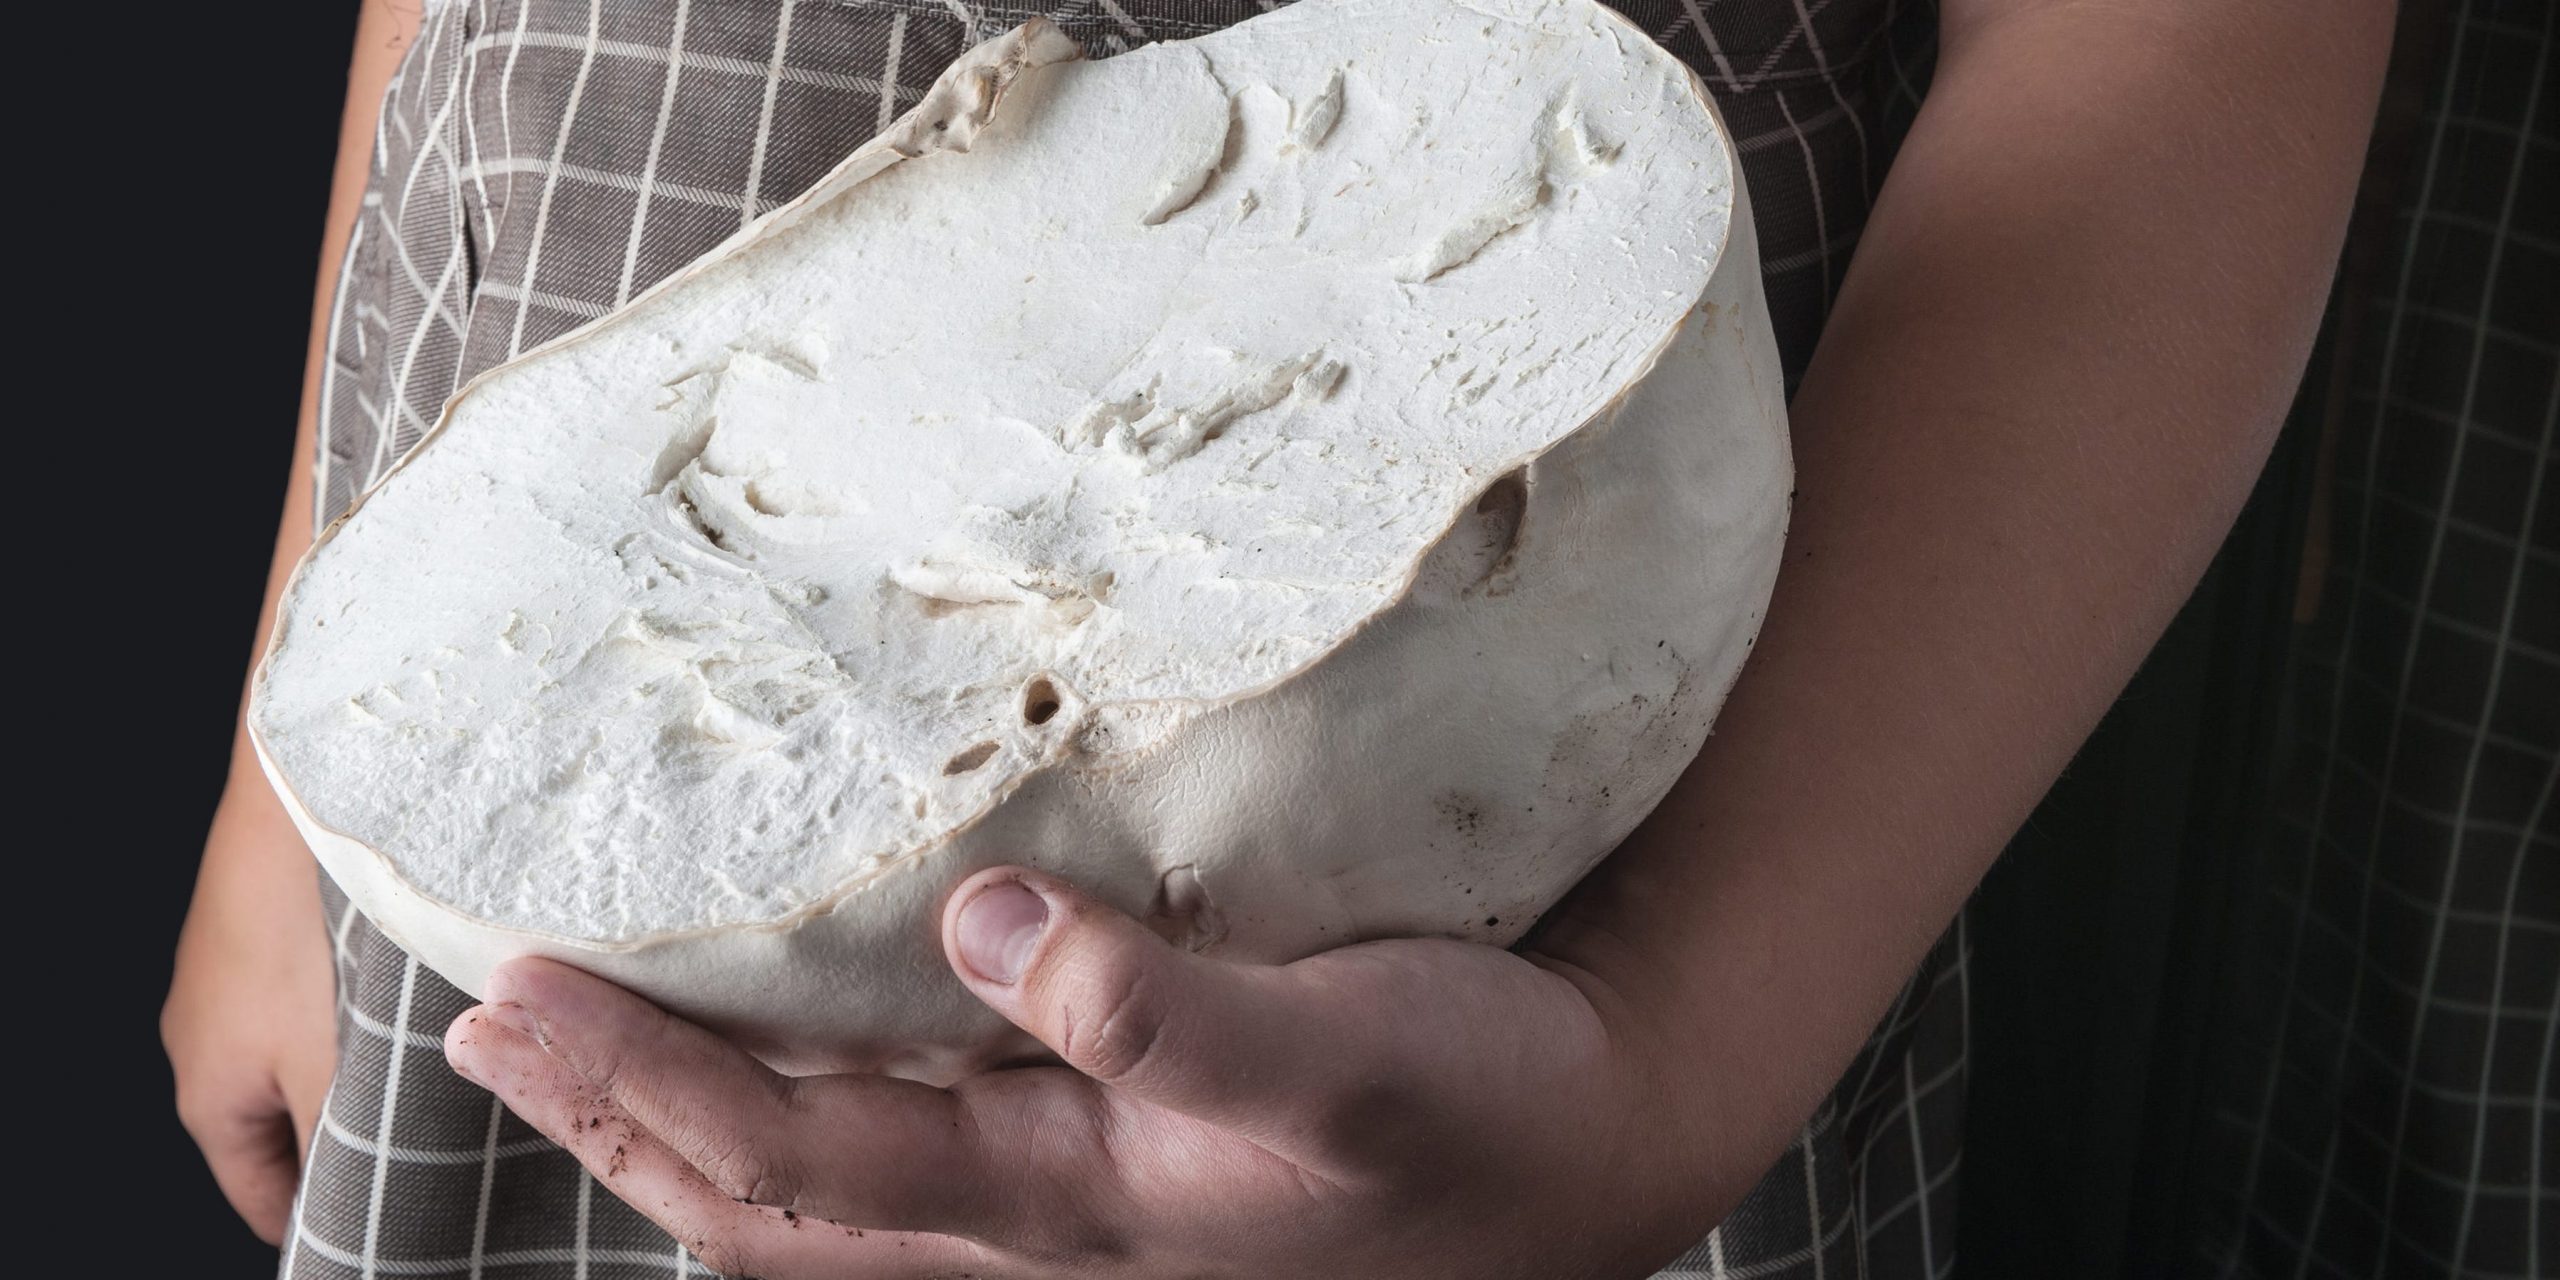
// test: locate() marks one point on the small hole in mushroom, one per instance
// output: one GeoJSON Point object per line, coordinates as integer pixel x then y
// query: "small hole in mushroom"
{"type": "Point", "coordinates": [1040, 701]}
{"type": "Point", "coordinates": [970, 759]}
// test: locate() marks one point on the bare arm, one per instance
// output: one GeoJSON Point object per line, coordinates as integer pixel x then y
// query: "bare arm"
{"type": "Point", "coordinates": [247, 1022]}
{"type": "Point", "coordinates": [2069, 336]}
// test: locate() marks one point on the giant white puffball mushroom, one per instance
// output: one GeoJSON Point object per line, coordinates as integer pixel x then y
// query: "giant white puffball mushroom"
{"type": "Point", "coordinates": [1307, 484]}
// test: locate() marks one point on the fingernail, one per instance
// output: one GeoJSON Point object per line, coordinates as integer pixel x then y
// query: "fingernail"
{"type": "Point", "coordinates": [998, 930]}
{"type": "Point", "coordinates": [516, 1018]}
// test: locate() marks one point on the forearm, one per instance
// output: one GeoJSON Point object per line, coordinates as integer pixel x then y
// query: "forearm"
{"type": "Point", "coordinates": [2073, 326]}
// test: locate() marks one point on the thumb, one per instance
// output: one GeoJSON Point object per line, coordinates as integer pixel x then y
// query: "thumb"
{"type": "Point", "coordinates": [1205, 1037]}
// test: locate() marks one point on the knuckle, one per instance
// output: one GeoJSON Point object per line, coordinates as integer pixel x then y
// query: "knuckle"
{"type": "Point", "coordinates": [752, 1177]}
{"type": "Point", "coordinates": [1121, 1025]}
{"type": "Point", "coordinates": [203, 1116]}
{"type": "Point", "coordinates": [724, 1253]}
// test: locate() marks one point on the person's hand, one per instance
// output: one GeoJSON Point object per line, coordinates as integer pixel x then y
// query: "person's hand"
{"type": "Point", "coordinates": [248, 1024]}
{"type": "Point", "coordinates": [1392, 1109]}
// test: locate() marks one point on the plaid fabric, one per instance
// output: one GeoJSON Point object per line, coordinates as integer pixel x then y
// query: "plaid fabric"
{"type": "Point", "coordinates": [539, 161]}
{"type": "Point", "coordinates": [2391, 1109]}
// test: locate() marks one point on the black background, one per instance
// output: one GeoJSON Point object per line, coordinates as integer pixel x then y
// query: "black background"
{"type": "Point", "coordinates": [182, 159]}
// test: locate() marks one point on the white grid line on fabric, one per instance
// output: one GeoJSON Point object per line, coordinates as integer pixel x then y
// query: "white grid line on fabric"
{"type": "Point", "coordinates": [390, 1109]}
{"type": "Point", "coordinates": [2483, 430]}
{"type": "Point", "coordinates": [1903, 88]}
{"type": "Point", "coordinates": [2483, 226]}
{"type": "Point", "coordinates": [2456, 625]}
{"type": "Point", "coordinates": [1822, 64]}
{"type": "Point", "coordinates": [364, 216]}
{"type": "Point", "coordinates": [2406, 897]}
{"type": "Point", "coordinates": [508, 1258]}
{"type": "Point", "coordinates": [1697, 19]}
{"type": "Point", "coordinates": [2489, 1052]}
{"type": "Point", "coordinates": [506, 109]}
{"type": "Point", "coordinates": [338, 949]}
{"type": "Point", "coordinates": [1913, 1093]}
{"type": "Point", "coordinates": [1813, 1195]}
{"type": "Point", "coordinates": [1906, 1109]}
{"type": "Point", "coordinates": [376, 1027]}
{"type": "Point", "coordinates": [2355, 600]}
{"type": "Point", "coordinates": [2440, 817]}
{"type": "Point", "coordinates": [889, 72]}
{"type": "Point", "coordinates": [363, 1146]}
{"type": "Point", "coordinates": [408, 416]}
{"type": "Point", "coordinates": [532, 278]}
{"type": "Point", "coordinates": [2330, 1266]}
{"type": "Point", "coordinates": [329, 365]}
{"type": "Point", "coordinates": [1767, 138]}
{"type": "Point", "coordinates": [2473, 528]}
{"type": "Point", "coordinates": [1128, 25]}
{"type": "Point", "coordinates": [2439, 720]}
{"type": "Point", "coordinates": [436, 296]}
{"type": "Point", "coordinates": [390, 217]}
{"type": "Point", "coordinates": [585, 1255]}
{"type": "Point", "coordinates": [435, 127]}
{"type": "Point", "coordinates": [372, 411]}
{"type": "Point", "coordinates": [2541, 1124]}
{"type": "Point", "coordinates": [2350, 1124]}
{"type": "Point", "coordinates": [471, 136]}
{"type": "Point", "coordinates": [1905, 1014]}
{"type": "Point", "coordinates": [387, 119]}
{"type": "Point", "coordinates": [660, 188]}
{"type": "Point", "coordinates": [2488, 708]}
{"type": "Point", "coordinates": [753, 193]}
{"type": "Point", "coordinates": [1919, 1164]}
{"type": "Point", "coordinates": [2422, 1252]}
{"type": "Point", "coordinates": [310, 1152]}
{"type": "Point", "coordinates": [2383, 1059]}
{"type": "Point", "coordinates": [2472, 916]}
{"type": "Point", "coordinates": [488, 1183]}
{"type": "Point", "coordinates": [436, 305]}
{"type": "Point", "coordinates": [1777, 1264]}
{"type": "Point", "coordinates": [675, 64]}
{"type": "Point", "coordinates": [1930, 1185]}
{"type": "Point", "coordinates": [2324, 1016]}
{"type": "Point", "coordinates": [1821, 253]}
{"type": "Point", "coordinates": [2541, 346]}
{"type": "Point", "coordinates": [632, 51]}
{"type": "Point", "coordinates": [548, 301]}
{"type": "Point", "coordinates": [1802, 30]}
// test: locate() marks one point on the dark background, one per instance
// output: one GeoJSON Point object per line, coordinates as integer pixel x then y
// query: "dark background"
{"type": "Point", "coordinates": [182, 162]}
{"type": "Point", "coordinates": [197, 160]}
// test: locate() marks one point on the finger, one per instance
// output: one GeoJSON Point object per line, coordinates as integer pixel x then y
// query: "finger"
{"type": "Point", "coordinates": [860, 1149]}
{"type": "Point", "coordinates": [1228, 1043]}
{"type": "Point", "coordinates": [645, 1172]}
{"type": "Point", "coordinates": [251, 1150]}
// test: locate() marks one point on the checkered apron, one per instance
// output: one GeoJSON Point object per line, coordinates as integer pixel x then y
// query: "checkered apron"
{"type": "Point", "coordinates": [2387, 1101]}
{"type": "Point", "coordinates": [539, 162]}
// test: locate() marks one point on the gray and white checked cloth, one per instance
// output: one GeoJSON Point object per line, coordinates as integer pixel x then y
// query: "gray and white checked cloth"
{"type": "Point", "coordinates": [2389, 1101]}
{"type": "Point", "coordinates": [540, 161]}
